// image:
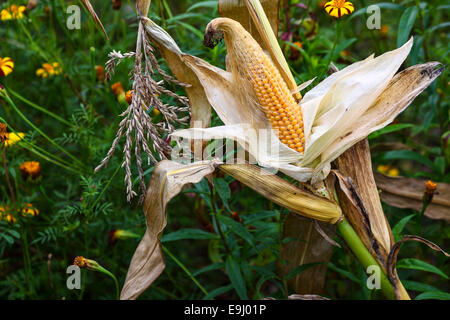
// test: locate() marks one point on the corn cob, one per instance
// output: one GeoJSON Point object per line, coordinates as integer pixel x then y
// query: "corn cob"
{"type": "Point", "coordinates": [248, 61]}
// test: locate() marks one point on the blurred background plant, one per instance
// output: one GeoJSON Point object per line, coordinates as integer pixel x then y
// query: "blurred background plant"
{"type": "Point", "coordinates": [62, 115]}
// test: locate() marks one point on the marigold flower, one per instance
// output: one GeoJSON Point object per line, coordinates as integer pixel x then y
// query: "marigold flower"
{"type": "Point", "coordinates": [6, 66]}
{"type": "Point", "coordinates": [100, 73]}
{"type": "Point", "coordinates": [17, 11]}
{"type": "Point", "coordinates": [5, 15]}
{"type": "Point", "coordinates": [12, 138]}
{"type": "Point", "coordinates": [338, 8]}
{"type": "Point", "coordinates": [10, 218]}
{"type": "Point", "coordinates": [49, 69]}
{"type": "Point", "coordinates": [30, 169]}
{"type": "Point", "coordinates": [3, 133]}
{"type": "Point", "coordinates": [295, 53]}
{"type": "Point", "coordinates": [129, 96]}
{"type": "Point", "coordinates": [388, 170]}
{"type": "Point", "coordinates": [117, 88]}
{"type": "Point", "coordinates": [384, 29]}
{"type": "Point", "coordinates": [430, 187]}
{"type": "Point", "coordinates": [81, 262]}
{"type": "Point", "coordinates": [29, 210]}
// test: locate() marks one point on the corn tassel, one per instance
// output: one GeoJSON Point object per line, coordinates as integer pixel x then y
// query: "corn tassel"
{"type": "Point", "coordinates": [252, 66]}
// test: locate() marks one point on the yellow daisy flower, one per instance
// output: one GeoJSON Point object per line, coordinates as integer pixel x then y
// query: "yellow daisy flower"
{"type": "Point", "coordinates": [338, 8]}
{"type": "Point", "coordinates": [6, 66]}
{"type": "Point", "coordinates": [12, 138]}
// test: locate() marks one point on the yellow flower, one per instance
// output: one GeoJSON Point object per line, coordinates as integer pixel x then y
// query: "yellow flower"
{"type": "Point", "coordinates": [49, 69]}
{"type": "Point", "coordinates": [5, 15]}
{"type": "Point", "coordinates": [30, 169]}
{"type": "Point", "coordinates": [338, 8]}
{"type": "Point", "coordinates": [6, 66]}
{"type": "Point", "coordinates": [29, 210]}
{"type": "Point", "coordinates": [388, 170]}
{"type": "Point", "coordinates": [393, 172]}
{"type": "Point", "coordinates": [12, 138]}
{"type": "Point", "coordinates": [17, 11]}
{"type": "Point", "coordinates": [6, 215]}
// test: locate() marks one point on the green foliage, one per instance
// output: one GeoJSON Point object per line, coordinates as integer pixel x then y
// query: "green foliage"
{"type": "Point", "coordinates": [221, 243]}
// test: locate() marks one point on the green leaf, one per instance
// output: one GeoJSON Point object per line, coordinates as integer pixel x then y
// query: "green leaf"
{"type": "Point", "coordinates": [347, 274]}
{"type": "Point", "coordinates": [235, 275]}
{"type": "Point", "coordinates": [436, 295]}
{"type": "Point", "coordinates": [381, 5]}
{"type": "Point", "coordinates": [211, 267]}
{"type": "Point", "coordinates": [203, 4]}
{"type": "Point", "coordinates": [185, 234]}
{"type": "Point", "coordinates": [237, 228]}
{"type": "Point", "coordinates": [397, 230]}
{"type": "Point", "coordinates": [407, 155]}
{"type": "Point", "coordinates": [406, 24]}
{"type": "Point", "coordinates": [218, 291]}
{"type": "Point", "coordinates": [300, 269]}
{"type": "Point", "coordinates": [389, 129]}
{"type": "Point", "coordinates": [261, 215]}
{"type": "Point", "coordinates": [439, 26]}
{"type": "Point", "coordinates": [417, 286]}
{"type": "Point", "coordinates": [223, 189]}
{"type": "Point", "coordinates": [416, 264]}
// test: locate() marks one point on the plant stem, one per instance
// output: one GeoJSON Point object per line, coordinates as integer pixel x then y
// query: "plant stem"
{"type": "Point", "coordinates": [182, 266]}
{"type": "Point", "coordinates": [8, 181]}
{"type": "Point", "coordinates": [364, 256]}
{"type": "Point", "coordinates": [116, 283]}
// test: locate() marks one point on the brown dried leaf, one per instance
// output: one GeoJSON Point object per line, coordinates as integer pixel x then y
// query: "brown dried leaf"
{"type": "Point", "coordinates": [237, 10]}
{"type": "Point", "coordinates": [142, 6]}
{"type": "Point", "coordinates": [359, 199]}
{"type": "Point", "coordinates": [392, 261]}
{"type": "Point", "coordinates": [167, 181]}
{"type": "Point", "coordinates": [309, 247]}
{"type": "Point", "coordinates": [94, 16]}
{"type": "Point", "coordinates": [407, 193]}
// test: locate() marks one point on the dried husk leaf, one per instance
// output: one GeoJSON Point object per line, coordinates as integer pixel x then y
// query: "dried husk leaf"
{"type": "Point", "coordinates": [167, 181]}
{"type": "Point", "coordinates": [94, 16]}
{"type": "Point", "coordinates": [360, 202]}
{"type": "Point", "coordinates": [283, 193]}
{"type": "Point", "coordinates": [236, 10]}
{"type": "Point", "coordinates": [403, 192]}
{"type": "Point", "coordinates": [392, 260]}
{"type": "Point", "coordinates": [143, 6]}
{"type": "Point", "coordinates": [309, 246]}
{"type": "Point", "coordinates": [398, 95]}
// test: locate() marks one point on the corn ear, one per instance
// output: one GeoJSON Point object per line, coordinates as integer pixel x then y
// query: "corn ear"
{"type": "Point", "coordinates": [250, 66]}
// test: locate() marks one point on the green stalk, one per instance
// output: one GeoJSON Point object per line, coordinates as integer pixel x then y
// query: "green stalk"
{"type": "Point", "coordinates": [13, 105]}
{"type": "Point", "coordinates": [364, 256]}
{"type": "Point", "coordinates": [182, 266]}
{"type": "Point", "coordinates": [116, 283]}
{"type": "Point", "coordinates": [42, 109]}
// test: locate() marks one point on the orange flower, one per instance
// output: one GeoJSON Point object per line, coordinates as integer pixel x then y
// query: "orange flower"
{"type": "Point", "coordinates": [6, 66]}
{"type": "Point", "coordinates": [49, 69]}
{"type": "Point", "coordinates": [430, 187]}
{"type": "Point", "coordinates": [295, 53]}
{"type": "Point", "coordinates": [384, 29]}
{"type": "Point", "coordinates": [17, 11]}
{"type": "Point", "coordinates": [30, 169]}
{"type": "Point", "coordinates": [129, 96]}
{"type": "Point", "coordinates": [117, 88]}
{"type": "Point", "coordinates": [100, 73]}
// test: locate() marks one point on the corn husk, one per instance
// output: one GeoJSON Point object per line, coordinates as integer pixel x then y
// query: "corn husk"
{"type": "Point", "coordinates": [167, 181]}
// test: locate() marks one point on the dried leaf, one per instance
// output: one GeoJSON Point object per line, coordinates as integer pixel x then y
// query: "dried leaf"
{"type": "Point", "coordinates": [407, 193]}
{"type": "Point", "coordinates": [284, 193]}
{"type": "Point", "coordinates": [167, 181]}
{"type": "Point", "coordinates": [309, 246]}
{"type": "Point", "coordinates": [94, 16]}
{"type": "Point", "coordinates": [142, 6]}
{"type": "Point", "coordinates": [359, 199]}
{"type": "Point", "coordinates": [392, 260]}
